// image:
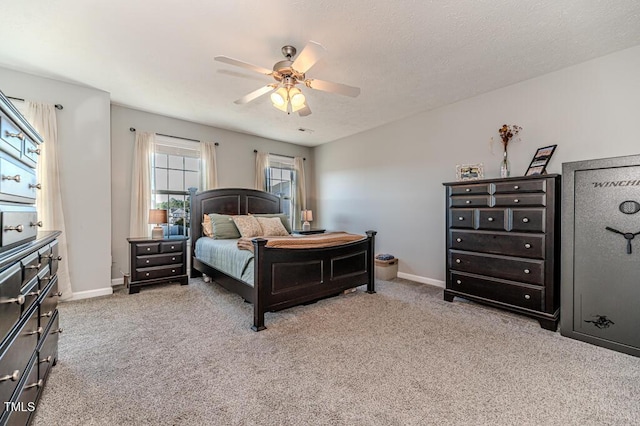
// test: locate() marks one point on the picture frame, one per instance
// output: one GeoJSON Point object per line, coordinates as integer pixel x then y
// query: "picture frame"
{"type": "Point", "coordinates": [469, 171]}
{"type": "Point", "coordinates": [540, 160]}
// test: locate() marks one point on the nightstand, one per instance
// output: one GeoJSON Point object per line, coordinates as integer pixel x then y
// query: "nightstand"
{"type": "Point", "coordinates": [157, 262]}
{"type": "Point", "coordinates": [309, 232]}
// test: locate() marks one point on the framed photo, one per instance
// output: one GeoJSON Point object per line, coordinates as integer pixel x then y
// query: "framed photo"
{"type": "Point", "coordinates": [469, 171]}
{"type": "Point", "coordinates": [540, 160]}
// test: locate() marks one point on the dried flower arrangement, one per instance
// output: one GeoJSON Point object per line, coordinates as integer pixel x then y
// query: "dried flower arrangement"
{"type": "Point", "coordinates": [507, 133]}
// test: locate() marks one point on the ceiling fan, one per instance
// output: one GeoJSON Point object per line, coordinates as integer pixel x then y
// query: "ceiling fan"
{"type": "Point", "coordinates": [287, 74]}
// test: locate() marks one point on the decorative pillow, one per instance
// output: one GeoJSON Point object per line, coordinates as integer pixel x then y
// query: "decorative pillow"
{"type": "Point", "coordinates": [283, 218]}
{"type": "Point", "coordinates": [207, 227]}
{"type": "Point", "coordinates": [247, 225]}
{"type": "Point", "coordinates": [223, 227]}
{"type": "Point", "coordinates": [272, 227]}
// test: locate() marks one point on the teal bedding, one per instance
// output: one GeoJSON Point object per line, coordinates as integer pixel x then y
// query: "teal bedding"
{"type": "Point", "coordinates": [225, 256]}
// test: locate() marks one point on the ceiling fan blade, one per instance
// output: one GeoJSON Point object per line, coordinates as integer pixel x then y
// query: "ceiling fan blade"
{"type": "Point", "coordinates": [304, 111]}
{"type": "Point", "coordinates": [231, 61]}
{"type": "Point", "coordinates": [311, 53]}
{"type": "Point", "coordinates": [255, 94]}
{"type": "Point", "coordinates": [327, 86]}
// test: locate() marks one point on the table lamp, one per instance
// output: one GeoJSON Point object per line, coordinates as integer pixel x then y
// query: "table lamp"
{"type": "Point", "coordinates": [158, 217]}
{"type": "Point", "coordinates": [307, 216]}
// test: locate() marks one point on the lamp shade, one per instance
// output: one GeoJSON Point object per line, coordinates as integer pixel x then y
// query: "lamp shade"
{"type": "Point", "coordinates": [307, 215]}
{"type": "Point", "coordinates": [157, 216]}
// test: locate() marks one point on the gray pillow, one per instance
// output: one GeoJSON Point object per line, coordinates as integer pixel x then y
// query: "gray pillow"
{"type": "Point", "coordinates": [283, 218]}
{"type": "Point", "coordinates": [223, 227]}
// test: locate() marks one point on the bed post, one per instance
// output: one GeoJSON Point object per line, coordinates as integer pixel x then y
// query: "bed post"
{"type": "Point", "coordinates": [371, 285]}
{"type": "Point", "coordinates": [258, 284]}
{"type": "Point", "coordinates": [195, 213]}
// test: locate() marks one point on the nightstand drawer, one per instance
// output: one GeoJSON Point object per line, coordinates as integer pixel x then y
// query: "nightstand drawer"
{"type": "Point", "coordinates": [499, 291]}
{"type": "Point", "coordinates": [147, 248]}
{"type": "Point", "coordinates": [157, 272]}
{"type": "Point", "coordinates": [158, 259]}
{"type": "Point", "coordinates": [170, 247]}
{"type": "Point", "coordinates": [526, 271]}
{"type": "Point", "coordinates": [529, 246]}
{"type": "Point", "coordinates": [461, 218]}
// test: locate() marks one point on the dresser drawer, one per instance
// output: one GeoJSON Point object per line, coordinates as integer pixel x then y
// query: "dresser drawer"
{"type": "Point", "coordinates": [470, 201]}
{"type": "Point", "coordinates": [171, 247]}
{"type": "Point", "coordinates": [510, 244]}
{"type": "Point", "coordinates": [158, 259]}
{"type": "Point", "coordinates": [28, 395]}
{"type": "Point", "coordinates": [31, 153]}
{"type": "Point", "coordinates": [157, 272]}
{"type": "Point", "coordinates": [11, 300]}
{"type": "Point", "coordinates": [49, 304]}
{"type": "Point", "coordinates": [11, 137]}
{"type": "Point", "coordinates": [526, 271]}
{"type": "Point", "coordinates": [461, 218]}
{"type": "Point", "coordinates": [521, 186]}
{"type": "Point", "coordinates": [18, 225]}
{"type": "Point", "coordinates": [15, 357]}
{"type": "Point", "coordinates": [17, 180]}
{"type": "Point", "coordinates": [529, 220]}
{"type": "Point", "coordinates": [470, 189]}
{"type": "Point", "coordinates": [48, 349]}
{"type": "Point", "coordinates": [147, 248]}
{"type": "Point", "coordinates": [30, 267]}
{"type": "Point", "coordinates": [514, 200]}
{"type": "Point", "coordinates": [493, 219]}
{"type": "Point", "coordinates": [499, 291]}
{"type": "Point", "coordinates": [30, 292]}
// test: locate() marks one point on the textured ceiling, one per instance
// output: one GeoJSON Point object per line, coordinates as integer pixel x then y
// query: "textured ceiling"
{"type": "Point", "coordinates": [406, 56]}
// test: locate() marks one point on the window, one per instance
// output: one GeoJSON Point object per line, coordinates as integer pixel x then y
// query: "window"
{"type": "Point", "coordinates": [281, 181]}
{"type": "Point", "coordinates": [176, 169]}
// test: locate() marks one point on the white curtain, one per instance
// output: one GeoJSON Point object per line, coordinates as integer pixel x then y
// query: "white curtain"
{"type": "Point", "coordinates": [262, 163]}
{"type": "Point", "coordinates": [49, 198]}
{"type": "Point", "coordinates": [300, 200]}
{"type": "Point", "coordinates": [141, 184]}
{"type": "Point", "coordinates": [209, 166]}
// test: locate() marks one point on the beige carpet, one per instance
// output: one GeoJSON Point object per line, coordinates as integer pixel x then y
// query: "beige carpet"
{"type": "Point", "coordinates": [184, 355]}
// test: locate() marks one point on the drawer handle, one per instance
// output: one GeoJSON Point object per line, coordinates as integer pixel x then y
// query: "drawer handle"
{"type": "Point", "coordinates": [525, 219]}
{"type": "Point", "coordinates": [47, 314]}
{"type": "Point", "coordinates": [467, 190]}
{"type": "Point", "coordinates": [18, 299]}
{"type": "Point", "coordinates": [36, 186]}
{"type": "Point", "coordinates": [57, 294]}
{"type": "Point", "coordinates": [38, 224]}
{"type": "Point", "coordinates": [516, 187]}
{"type": "Point", "coordinates": [38, 330]}
{"type": "Point", "coordinates": [516, 201]}
{"type": "Point", "coordinates": [527, 246]}
{"type": "Point", "coordinates": [458, 261]}
{"type": "Point", "coordinates": [490, 219]}
{"type": "Point", "coordinates": [146, 275]}
{"type": "Point", "coordinates": [173, 270]}
{"type": "Point", "coordinates": [34, 293]}
{"type": "Point", "coordinates": [526, 271]}
{"type": "Point", "coordinates": [8, 134]}
{"type": "Point", "coordinates": [458, 282]}
{"type": "Point", "coordinates": [526, 296]}
{"type": "Point", "coordinates": [47, 359]}
{"type": "Point", "coordinates": [173, 258]}
{"type": "Point", "coordinates": [460, 218]}
{"type": "Point", "coordinates": [459, 240]}
{"type": "Point", "coordinates": [18, 228]}
{"type": "Point", "coordinates": [13, 377]}
{"type": "Point", "coordinates": [148, 248]}
{"type": "Point", "coordinates": [172, 247]}
{"type": "Point", "coordinates": [37, 384]}
{"type": "Point", "coordinates": [16, 178]}
{"type": "Point", "coordinates": [468, 202]}
{"type": "Point", "coordinates": [33, 266]}
{"type": "Point", "coordinates": [59, 331]}
{"type": "Point", "coordinates": [147, 261]}
{"type": "Point", "coordinates": [34, 151]}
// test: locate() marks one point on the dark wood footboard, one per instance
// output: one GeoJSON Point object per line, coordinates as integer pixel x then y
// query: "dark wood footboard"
{"type": "Point", "coordinates": [288, 277]}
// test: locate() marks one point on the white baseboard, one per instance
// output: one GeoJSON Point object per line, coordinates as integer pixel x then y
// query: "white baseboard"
{"type": "Point", "coordinates": [423, 280]}
{"type": "Point", "coordinates": [117, 281]}
{"type": "Point", "coordinates": [78, 295]}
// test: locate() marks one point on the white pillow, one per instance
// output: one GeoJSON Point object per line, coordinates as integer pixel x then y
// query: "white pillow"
{"type": "Point", "coordinates": [247, 225]}
{"type": "Point", "coordinates": [272, 227]}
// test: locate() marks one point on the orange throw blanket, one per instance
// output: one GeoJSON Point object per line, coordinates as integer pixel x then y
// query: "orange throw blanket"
{"type": "Point", "coordinates": [327, 239]}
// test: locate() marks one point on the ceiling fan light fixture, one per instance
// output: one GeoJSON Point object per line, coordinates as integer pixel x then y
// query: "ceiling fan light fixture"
{"type": "Point", "coordinates": [279, 98]}
{"type": "Point", "coordinates": [297, 98]}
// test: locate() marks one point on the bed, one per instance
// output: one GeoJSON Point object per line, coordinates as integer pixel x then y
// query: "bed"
{"type": "Point", "coordinates": [281, 277]}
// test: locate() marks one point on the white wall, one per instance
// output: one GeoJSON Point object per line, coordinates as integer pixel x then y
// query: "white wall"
{"type": "Point", "coordinates": [85, 173]}
{"type": "Point", "coordinates": [390, 178]}
{"type": "Point", "coordinates": [236, 164]}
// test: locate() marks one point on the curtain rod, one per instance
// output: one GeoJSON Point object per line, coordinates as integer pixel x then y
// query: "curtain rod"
{"type": "Point", "coordinates": [132, 129]}
{"type": "Point", "coordinates": [281, 155]}
{"type": "Point", "coordinates": [58, 106]}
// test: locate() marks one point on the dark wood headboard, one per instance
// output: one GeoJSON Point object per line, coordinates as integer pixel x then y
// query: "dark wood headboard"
{"type": "Point", "coordinates": [232, 201]}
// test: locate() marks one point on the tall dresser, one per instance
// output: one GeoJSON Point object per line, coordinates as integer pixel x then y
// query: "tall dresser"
{"type": "Point", "coordinates": [29, 259]}
{"type": "Point", "coordinates": [503, 244]}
